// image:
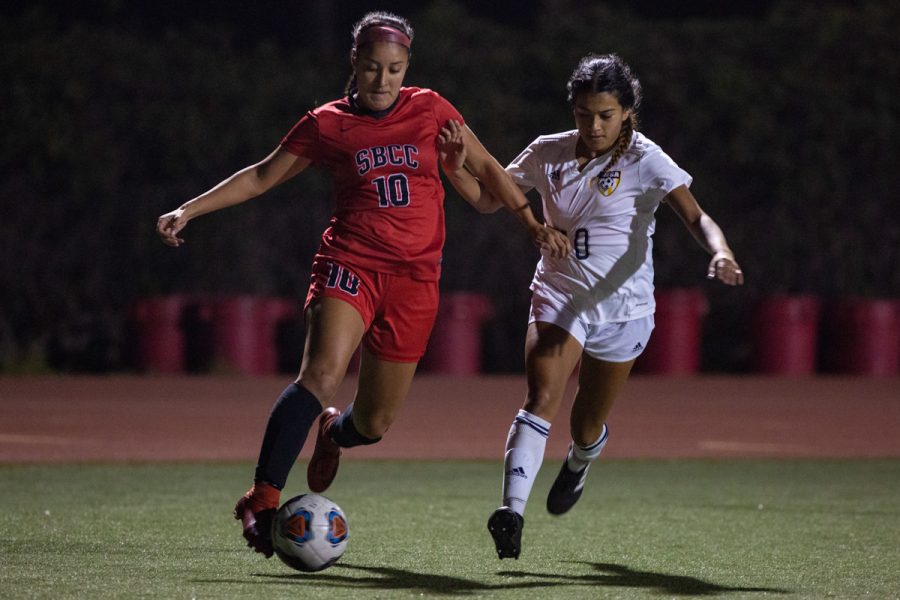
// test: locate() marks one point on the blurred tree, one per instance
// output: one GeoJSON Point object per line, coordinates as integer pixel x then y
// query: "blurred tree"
{"type": "Point", "coordinates": [105, 132]}
{"type": "Point", "coordinates": [786, 118]}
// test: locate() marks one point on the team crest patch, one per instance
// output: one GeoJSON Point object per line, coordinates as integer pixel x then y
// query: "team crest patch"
{"type": "Point", "coordinates": [608, 181]}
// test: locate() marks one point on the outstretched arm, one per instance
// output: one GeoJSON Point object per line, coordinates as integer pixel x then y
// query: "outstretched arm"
{"type": "Point", "coordinates": [247, 183]}
{"type": "Point", "coordinates": [496, 187]}
{"type": "Point", "coordinates": [723, 266]}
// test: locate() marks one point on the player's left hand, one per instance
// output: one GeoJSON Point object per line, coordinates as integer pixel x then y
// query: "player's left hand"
{"type": "Point", "coordinates": [451, 147]}
{"type": "Point", "coordinates": [724, 268]}
{"type": "Point", "coordinates": [169, 225]}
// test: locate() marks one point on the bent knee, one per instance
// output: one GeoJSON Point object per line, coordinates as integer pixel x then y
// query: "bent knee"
{"type": "Point", "coordinates": [542, 403]}
{"type": "Point", "coordinates": [322, 382]}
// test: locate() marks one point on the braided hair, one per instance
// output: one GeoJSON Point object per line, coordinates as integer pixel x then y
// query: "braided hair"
{"type": "Point", "coordinates": [598, 73]}
{"type": "Point", "coordinates": [372, 19]}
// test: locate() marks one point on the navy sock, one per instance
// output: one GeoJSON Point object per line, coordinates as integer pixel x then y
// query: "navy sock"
{"type": "Point", "coordinates": [289, 422]}
{"type": "Point", "coordinates": [344, 432]}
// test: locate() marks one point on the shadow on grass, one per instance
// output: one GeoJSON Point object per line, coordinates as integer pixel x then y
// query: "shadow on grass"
{"type": "Point", "coordinates": [388, 578]}
{"type": "Point", "coordinates": [613, 575]}
{"type": "Point", "coordinates": [603, 575]}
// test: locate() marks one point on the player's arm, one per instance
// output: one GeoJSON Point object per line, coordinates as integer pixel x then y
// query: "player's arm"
{"type": "Point", "coordinates": [500, 186]}
{"type": "Point", "coordinates": [452, 153]}
{"type": "Point", "coordinates": [247, 183]}
{"type": "Point", "coordinates": [473, 191]}
{"type": "Point", "coordinates": [708, 234]}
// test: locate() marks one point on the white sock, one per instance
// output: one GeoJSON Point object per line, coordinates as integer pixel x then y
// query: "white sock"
{"type": "Point", "coordinates": [524, 455]}
{"type": "Point", "coordinates": [581, 456]}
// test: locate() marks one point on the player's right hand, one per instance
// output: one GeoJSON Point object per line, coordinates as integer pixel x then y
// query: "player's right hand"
{"type": "Point", "coordinates": [168, 226]}
{"type": "Point", "coordinates": [552, 240]}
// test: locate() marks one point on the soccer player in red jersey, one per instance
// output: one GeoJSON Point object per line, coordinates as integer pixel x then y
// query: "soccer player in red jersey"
{"type": "Point", "coordinates": [375, 275]}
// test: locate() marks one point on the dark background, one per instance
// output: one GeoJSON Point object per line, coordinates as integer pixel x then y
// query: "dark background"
{"type": "Point", "coordinates": [785, 113]}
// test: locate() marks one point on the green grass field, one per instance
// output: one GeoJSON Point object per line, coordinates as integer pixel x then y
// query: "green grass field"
{"type": "Point", "coordinates": [643, 529]}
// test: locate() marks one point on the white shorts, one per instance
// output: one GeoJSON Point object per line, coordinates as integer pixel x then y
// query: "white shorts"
{"type": "Point", "coordinates": [612, 342]}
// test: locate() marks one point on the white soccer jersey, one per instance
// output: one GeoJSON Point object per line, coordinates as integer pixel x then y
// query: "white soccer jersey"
{"type": "Point", "coordinates": [609, 218]}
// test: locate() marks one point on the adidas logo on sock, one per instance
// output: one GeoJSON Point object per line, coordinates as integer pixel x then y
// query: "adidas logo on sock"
{"type": "Point", "coordinates": [517, 472]}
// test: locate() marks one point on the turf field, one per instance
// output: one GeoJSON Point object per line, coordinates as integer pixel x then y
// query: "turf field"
{"type": "Point", "coordinates": [730, 487]}
{"type": "Point", "coordinates": [736, 528]}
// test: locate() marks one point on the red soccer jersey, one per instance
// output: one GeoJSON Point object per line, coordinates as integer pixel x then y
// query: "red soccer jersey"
{"type": "Point", "coordinates": [389, 201]}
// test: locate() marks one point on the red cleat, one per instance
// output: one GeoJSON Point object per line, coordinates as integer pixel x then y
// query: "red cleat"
{"type": "Point", "coordinates": [256, 520]}
{"type": "Point", "coordinates": [323, 465]}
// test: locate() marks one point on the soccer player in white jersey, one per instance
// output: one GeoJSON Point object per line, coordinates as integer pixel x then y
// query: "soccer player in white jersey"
{"type": "Point", "coordinates": [601, 184]}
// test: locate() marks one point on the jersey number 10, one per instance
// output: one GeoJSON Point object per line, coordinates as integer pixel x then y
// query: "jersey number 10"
{"type": "Point", "coordinates": [393, 190]}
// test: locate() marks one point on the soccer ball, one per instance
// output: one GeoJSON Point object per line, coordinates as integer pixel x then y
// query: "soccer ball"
{"type": "Point", "coordinates": [309, 532]}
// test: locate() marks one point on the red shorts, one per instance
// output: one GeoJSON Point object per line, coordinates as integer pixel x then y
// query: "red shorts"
{"type": "Point", "coordinates": [398, 311]}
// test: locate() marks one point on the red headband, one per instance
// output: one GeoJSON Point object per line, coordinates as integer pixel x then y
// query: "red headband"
{"type": "Point", "coordinates": [382, 33]}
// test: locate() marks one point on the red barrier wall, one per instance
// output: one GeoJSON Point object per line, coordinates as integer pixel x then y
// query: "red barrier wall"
{"type": "Point", "coordinates": [455, 343]}
{"type": "Point", "coordinates": [674, 347]}
{"type": "Point", "coordinates": [785, 334]}
{"type": "Point", "coordinates": [864, 337]}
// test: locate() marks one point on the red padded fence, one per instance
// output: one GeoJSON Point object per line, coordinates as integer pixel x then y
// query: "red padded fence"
{"type": "Point", "coordinates": [785, 334]}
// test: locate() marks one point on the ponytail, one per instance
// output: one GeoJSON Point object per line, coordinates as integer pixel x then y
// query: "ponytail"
{"type": "Point", "coordinates": [629, 126]}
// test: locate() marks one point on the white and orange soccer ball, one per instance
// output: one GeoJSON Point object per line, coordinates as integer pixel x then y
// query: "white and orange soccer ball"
{"type": "Point", "coordinates": [310, 532]}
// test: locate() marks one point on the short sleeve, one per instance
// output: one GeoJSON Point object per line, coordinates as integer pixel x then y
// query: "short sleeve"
{"type": "Point", "coordinates": [525, 168]}
{"type": "Point", "coordinates": [302, 139]}
{"type": "Point", "coordinates": [444, 111]}
{"type": "Point", "coordinates": [660, 172]}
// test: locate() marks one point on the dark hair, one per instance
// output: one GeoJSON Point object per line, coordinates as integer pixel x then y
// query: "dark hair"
{"type": "Point", "coordinates": [598, 73]}
{"type": "Point", "coordinates": [371, 19]}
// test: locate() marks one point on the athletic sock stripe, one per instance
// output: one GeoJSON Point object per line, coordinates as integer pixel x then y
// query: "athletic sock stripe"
{"type": "Point", "coordinates": [599, 442]}
{"type": "Point", "coordinates": [544, 431]}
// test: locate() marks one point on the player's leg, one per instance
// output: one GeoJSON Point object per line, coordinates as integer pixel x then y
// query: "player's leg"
{"type": "Point", "coordinates": [333, 331]}
{"type": "Point", "coordinates": [383, 386]}
{"type": "Point", "coordinates": [599, 383]}
{"type": "Point", "coordinates": [609, 354]}
{"type": "Point", "coordinates": [551, 354]}
{"type": "Point", "coordinates": [392, 347]}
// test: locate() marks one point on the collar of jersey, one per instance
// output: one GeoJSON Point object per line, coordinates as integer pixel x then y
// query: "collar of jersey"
{"type": "Point", "coordinates": [362, 111]}
{"type": "Point", "coordinates": [592, 163]}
